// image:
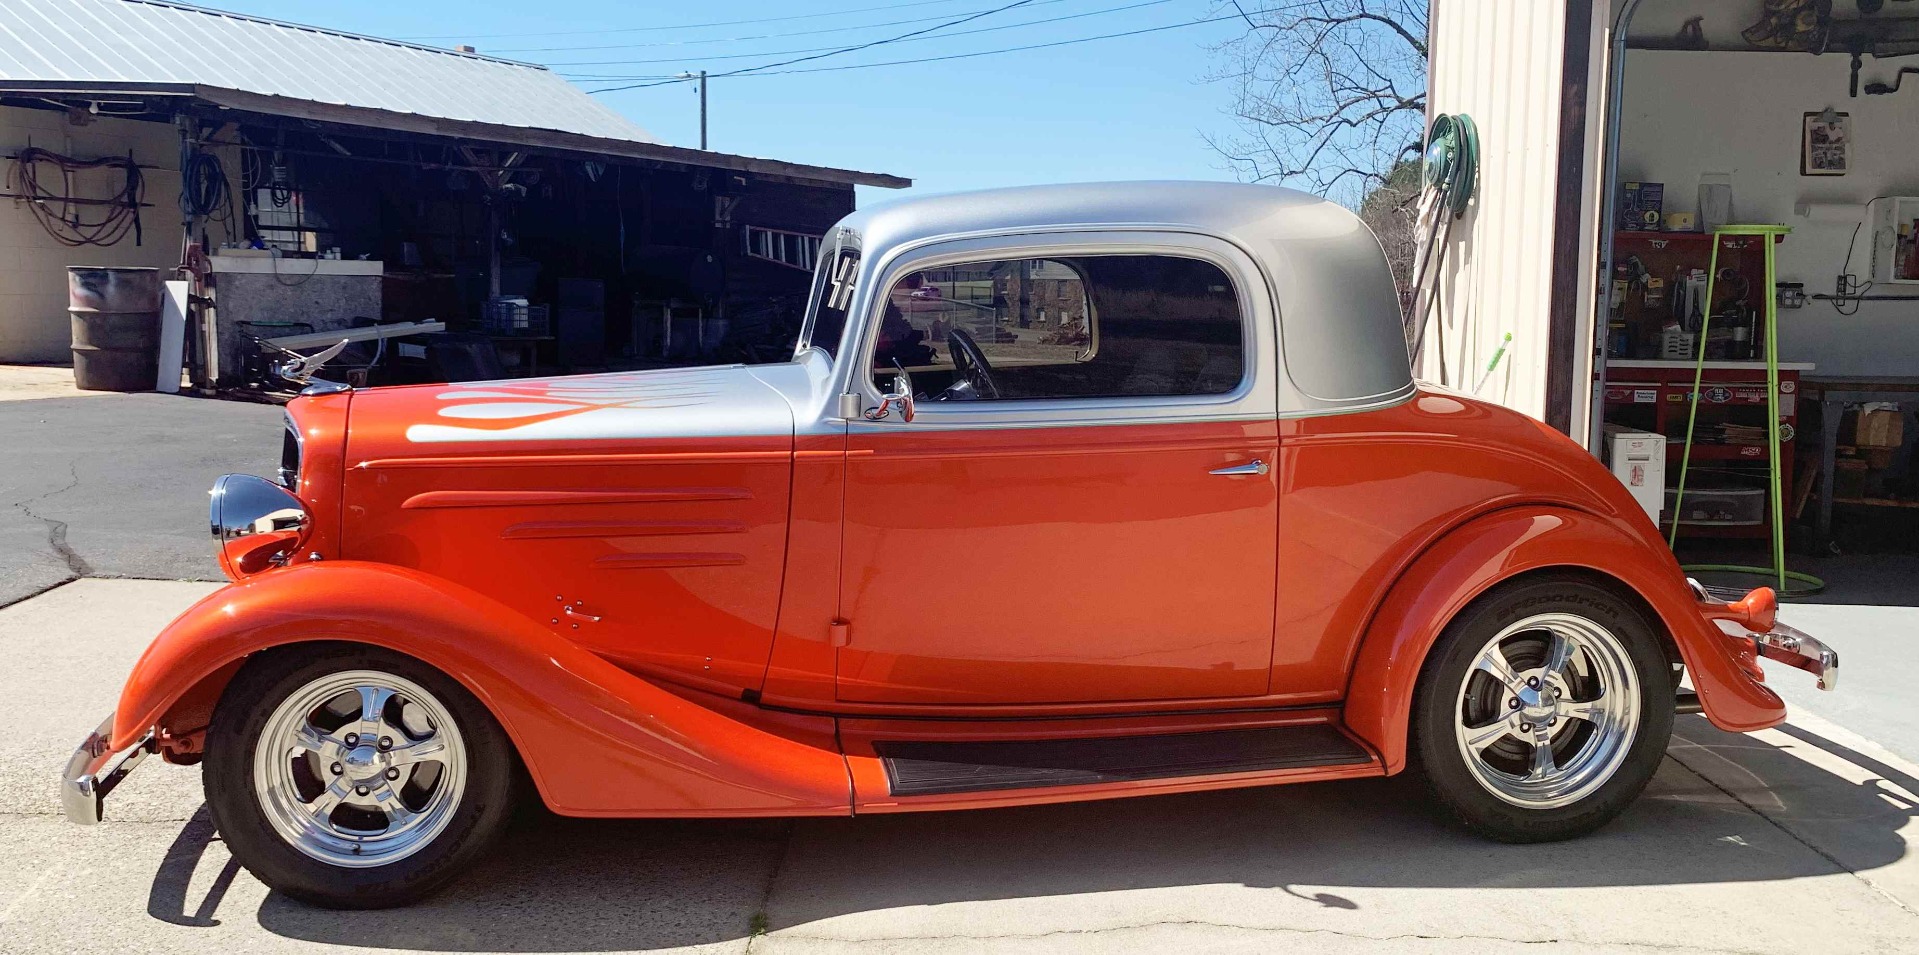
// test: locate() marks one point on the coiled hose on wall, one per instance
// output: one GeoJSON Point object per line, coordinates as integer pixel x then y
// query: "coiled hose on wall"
{"type": "Point", "coordinates": [1449, 177]}
{"type": "Point", "coordinates": [203, 186]}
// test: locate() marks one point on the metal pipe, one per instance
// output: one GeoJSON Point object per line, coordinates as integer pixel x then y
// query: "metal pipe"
{"type": "Point", "coordinates": [1615, 106]}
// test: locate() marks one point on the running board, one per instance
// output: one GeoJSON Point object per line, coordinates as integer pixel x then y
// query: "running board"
{"type": "Point", "coordinates": [927, 768]}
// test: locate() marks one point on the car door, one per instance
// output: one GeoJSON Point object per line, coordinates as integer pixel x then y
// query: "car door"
{"type": "Point", "coordinates": [1101, 530]}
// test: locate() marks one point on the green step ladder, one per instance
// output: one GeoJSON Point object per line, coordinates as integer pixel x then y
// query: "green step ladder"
{"type": "Point", "coordinates": [1770, 235]}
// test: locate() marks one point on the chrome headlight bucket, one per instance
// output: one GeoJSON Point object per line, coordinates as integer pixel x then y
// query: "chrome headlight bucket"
{"type": "Point", "coordinates": [256, 524]}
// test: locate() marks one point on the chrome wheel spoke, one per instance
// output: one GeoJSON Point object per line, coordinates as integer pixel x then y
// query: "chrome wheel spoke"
{"type": "Point", "coordinates": [373, 701]}
{"type": "Point", "coordinates": [1559, 653]}
{"type": "Point", "coordinates": [311, 739]}
{"type": "Point", "coordinates": [1592, 711]}
{"type": "Point", "coordinates": [1493, 663]}
{"type": "Point", "coordinates": [328, 800]}
{"type": "Point", "coordinates": [1478, 738]}
{"type": "Point", "coordinates": [398, 814]}
{"type": "Point", "coordinates": [1543, 765]}
{"type": "Point", "coordinates": [431, 749]}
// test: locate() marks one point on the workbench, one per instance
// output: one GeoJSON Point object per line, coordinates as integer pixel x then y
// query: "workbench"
{"type": "Point", "coordinates": [1833, 395]}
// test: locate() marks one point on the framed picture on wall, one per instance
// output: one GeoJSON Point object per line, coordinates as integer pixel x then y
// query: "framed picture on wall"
{"type": "Point", "coordinates": [1826, 146]}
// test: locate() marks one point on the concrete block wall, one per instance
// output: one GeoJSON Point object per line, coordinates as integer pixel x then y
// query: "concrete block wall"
{"type": "Point", "coordinates": [33, 284]}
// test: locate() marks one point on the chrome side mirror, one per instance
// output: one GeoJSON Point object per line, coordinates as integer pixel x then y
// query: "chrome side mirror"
{"type": "Point", "coordinates": [256, 524]}
{"type": "Point", "coordinates": [902, 395]}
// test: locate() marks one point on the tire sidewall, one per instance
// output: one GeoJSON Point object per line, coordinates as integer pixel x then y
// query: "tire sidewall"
{"type": "Point", "coordinates": [1435, 714]}
{"type": "Point", "coordinates": [234, 736]}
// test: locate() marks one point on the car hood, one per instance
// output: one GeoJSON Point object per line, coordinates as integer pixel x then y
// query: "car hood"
{"type": "Point", "coordinates": [522, 415]}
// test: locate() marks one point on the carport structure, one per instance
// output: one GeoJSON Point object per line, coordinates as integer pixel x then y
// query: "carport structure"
{"type": "Point", "coordinates": [462, 178]}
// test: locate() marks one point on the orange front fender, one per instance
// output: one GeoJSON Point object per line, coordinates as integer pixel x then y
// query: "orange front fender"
{"type": "Point", "coordinates": [1485, 551]}
{"type": "Point", "coordinates": [597, 739]}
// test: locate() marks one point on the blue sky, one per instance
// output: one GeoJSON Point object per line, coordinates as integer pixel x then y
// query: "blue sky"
{"type": "Point", "coordinates": [1126, 108]}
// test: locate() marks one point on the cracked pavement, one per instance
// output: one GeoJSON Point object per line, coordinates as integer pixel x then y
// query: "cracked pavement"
{"type": "Point", "coordinates": [1789, 841]}
{"type": "Point", "coordinates": [70, 466]}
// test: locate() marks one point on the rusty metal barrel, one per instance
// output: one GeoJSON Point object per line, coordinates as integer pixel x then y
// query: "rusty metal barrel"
{"type": "Point", "coordinates": [115, 313]}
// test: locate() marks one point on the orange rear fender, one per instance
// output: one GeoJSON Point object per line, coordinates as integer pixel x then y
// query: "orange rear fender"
{"type": "Point", "coordinates": [1471, 559]}
{"type": "Point", "coordinates": [597, 739]}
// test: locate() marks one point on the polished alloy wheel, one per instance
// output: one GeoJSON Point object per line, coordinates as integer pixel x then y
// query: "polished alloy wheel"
{"type": "Point", "coordinates": [359, 768]}
{"type": "Point", "coordinates": [1548, 711]}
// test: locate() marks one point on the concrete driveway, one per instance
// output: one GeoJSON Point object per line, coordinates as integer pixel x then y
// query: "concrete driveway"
{"type": "Point", "coordinates": [1789, 841]}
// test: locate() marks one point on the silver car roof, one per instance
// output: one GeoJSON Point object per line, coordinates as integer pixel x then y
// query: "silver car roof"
{"type": "Point", "coordinates": [1341, 333]}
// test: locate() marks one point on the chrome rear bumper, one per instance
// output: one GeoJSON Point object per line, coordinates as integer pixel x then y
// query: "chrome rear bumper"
{"type": "Point", "coordinates": [1757, 616]}
{"type": "Point", "coordinates": [1795, 648]}
{"type": "Point", "coordinates": [93, 772]}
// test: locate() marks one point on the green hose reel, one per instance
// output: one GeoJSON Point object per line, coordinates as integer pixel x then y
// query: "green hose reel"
{"type": "Point", "coordinates": [1452, 160]}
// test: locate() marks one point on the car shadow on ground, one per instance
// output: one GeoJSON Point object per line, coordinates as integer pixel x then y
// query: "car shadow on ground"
{"type": "Point", "coordinates": [579, 885]}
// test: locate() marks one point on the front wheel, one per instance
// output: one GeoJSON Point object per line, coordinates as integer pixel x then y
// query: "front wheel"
{"type": "Point", "coordinates": [1543, 710]}
{"type": "Point", "coordinates": [352, 777]}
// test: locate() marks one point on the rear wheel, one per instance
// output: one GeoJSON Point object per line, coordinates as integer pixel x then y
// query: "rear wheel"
{"type": "Point", "coordinates": [1544, 710]}
{"type": "Point", "coordinates": [353, 777]}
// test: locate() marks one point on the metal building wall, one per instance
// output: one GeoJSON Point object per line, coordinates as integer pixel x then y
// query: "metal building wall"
{"type": "Point", "coordinates": [1523, 258]}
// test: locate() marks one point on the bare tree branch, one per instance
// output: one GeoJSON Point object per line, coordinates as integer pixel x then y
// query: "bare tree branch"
{"type": "Point", "coordinates": [1318, 93]}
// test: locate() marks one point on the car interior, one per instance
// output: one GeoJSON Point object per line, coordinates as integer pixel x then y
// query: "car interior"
{"type": "Point", "coordinates": [1080, 327]}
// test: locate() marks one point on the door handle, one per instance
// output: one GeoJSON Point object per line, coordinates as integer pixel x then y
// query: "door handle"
{"type": "Point", "coordinates": [1255, 466]}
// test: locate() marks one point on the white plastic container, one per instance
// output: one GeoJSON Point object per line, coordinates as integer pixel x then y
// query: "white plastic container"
{"type": "Point", "coordinates": [1638, 460]}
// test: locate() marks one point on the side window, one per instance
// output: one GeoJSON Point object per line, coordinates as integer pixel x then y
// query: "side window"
{"type": "Point", "coordinates": [832, 295]}
{"type": "Point", "coordinates": [1106, 326]}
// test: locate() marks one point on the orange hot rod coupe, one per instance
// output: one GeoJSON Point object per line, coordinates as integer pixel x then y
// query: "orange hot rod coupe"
{"type": "Point", "coordinates": [1142, 500]}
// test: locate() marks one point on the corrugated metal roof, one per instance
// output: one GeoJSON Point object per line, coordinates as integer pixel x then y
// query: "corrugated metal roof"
{"type": "Point", "coordinates": [155, 42]}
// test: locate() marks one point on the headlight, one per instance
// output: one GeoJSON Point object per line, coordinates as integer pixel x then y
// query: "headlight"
{"type": "Point", "coordinates": [256, 524]}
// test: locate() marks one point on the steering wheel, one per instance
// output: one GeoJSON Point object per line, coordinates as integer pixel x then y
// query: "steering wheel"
{"type": "Point", "coordinates": [971, 364]}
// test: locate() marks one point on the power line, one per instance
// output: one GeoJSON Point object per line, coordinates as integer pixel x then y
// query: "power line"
{"type": "Point", "coordinates": [856, 48]}
{"type": "Point", "coordinates": [739, 39]}
{"type": "Point", "coordinates": [959, 56]}
{"type": "Point", "coordinates": [920, 39]}
{"type": "Point", "coordinates": [680, 26]}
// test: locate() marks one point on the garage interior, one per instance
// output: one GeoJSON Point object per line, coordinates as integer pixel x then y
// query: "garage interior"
{"type": "Point", "coordinates": [1791, 115]}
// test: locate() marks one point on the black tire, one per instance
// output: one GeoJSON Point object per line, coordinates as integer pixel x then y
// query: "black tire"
{"type": "Point", "coordinates": [1437, 709]}
{"type": "Point", "coordinates": [258, 689]}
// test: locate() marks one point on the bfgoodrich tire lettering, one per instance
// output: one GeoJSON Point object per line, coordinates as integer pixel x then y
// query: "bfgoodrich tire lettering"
{"type": "Point", "coordinates": [352, 777]}
{"type": "Point", "coordinates": [1543, 710]}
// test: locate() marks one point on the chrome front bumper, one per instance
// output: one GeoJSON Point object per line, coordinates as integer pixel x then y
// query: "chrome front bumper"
{"type": "Point", "coordinates": [1795, 648]}
{"type": "Point", "coordinates": [94, 771]}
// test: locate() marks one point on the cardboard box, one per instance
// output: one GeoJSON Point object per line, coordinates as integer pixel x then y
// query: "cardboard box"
{"type": "Point", "coordinates": [1641, 205]}
{"type": "Point", "coordinates": [1880, 429]}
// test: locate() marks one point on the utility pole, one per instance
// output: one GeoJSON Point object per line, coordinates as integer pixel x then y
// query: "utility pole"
{"type": "Point", "coordinates": [702, 78]}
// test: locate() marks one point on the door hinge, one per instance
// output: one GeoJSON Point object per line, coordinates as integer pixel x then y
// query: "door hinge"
{"type": "Point", "coordinates": [836, 633]}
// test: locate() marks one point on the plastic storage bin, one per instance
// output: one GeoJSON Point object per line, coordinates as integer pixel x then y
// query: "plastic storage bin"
{"type": "Point", "coordinates": [513, 316]}
{"type": "Point", "coordinates": [1720, 506]}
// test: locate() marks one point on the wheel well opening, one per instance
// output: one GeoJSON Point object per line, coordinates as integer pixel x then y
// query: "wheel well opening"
{"type": "Point", "coordinates": [192, 713]}
{"type": "Point", "coordinates": [1604, 581]}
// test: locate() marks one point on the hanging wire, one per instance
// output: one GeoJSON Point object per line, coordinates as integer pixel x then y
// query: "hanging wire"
{"type": "Point", "coordinates": [69, 225]}
{"type": "Point", "coordinates": [204, 192]}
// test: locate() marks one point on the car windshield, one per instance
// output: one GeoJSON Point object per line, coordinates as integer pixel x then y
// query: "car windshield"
{"type": "Point", "coordinates": [832, 297]}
